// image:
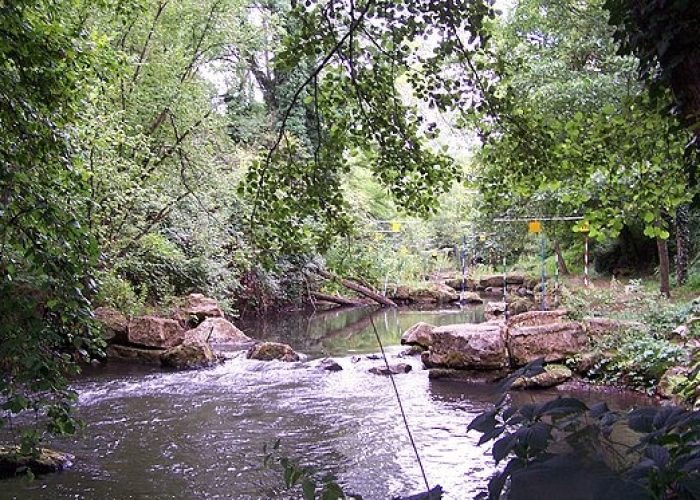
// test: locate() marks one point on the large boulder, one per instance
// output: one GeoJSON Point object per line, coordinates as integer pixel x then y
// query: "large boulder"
{"type": "Point", "coordinates": [269, 351]}
{"type": "Point", "coordinates": [553, 342]}
{"type": "Point", "coordinates": [44, 461]}
{"type": "Point", "coordinates": [468, 347]}
{"type": "Point", "coordinates": [134, 354]}
{"type": "Point", "coordinates": [536, 318]}
{"type": "Point", "coordinates": [551, 376]}
{"type": "Point", "coordinates": [420, 334]}
{"type": "Point", "coordinates": [113, 324]}
{"type": "Point", "coordinates": [218, 331]}
{"type": "Point", "coordinates": [192, 353]}
{"type": "Point", "coordinates": [515, 278]}
{"type": "Point", "coordinates": [201, 307]}
{"type": "Point", "coordinates": [152, 331]}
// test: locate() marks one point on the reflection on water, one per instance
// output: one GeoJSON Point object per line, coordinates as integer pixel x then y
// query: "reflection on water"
{"type": "Point", "coordinates": [153, 434]}
{"type": "Point", "coordinates": [338, 332]}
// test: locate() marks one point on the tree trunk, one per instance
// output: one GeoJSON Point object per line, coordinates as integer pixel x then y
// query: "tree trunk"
{"type": "Point", "coordinates": [682, 243]}
{"type": "Point", "coordinates": [563, 270]}
{"type": "Point", "coordinates": [380, 299]}
{"type": "Point", "coordinates": [662, 246]}
{"type": "Point", "coordinates": [342, 301]}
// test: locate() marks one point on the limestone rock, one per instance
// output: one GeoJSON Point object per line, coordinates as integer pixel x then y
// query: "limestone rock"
{"type": "Point", "coordinates": [269, 351]}
{"type": "Point", "coordinates": [392, 370]}
{"type": "Point", "coordinates": [536, 318]}
{"type": "Point", "coordinates": [495, 280]}
{"type": "Point", "coordinates": [190, 354]}
{"type": "Point", "coordinates": [134, 354]}
{"type": "Point", "coordinates": [494, 310]}
{"type": "Point", "coordinates": [471, 298]}
{"type": "Point", "coordinates": [420, 334]}
{"type": "Point", "coordinates": [114, 325]}
{"type": "Point", "coordinates": [553, 342]}
{"type": "Point", "coordinates": [46, 461]}
{"type": "Point", "coordinates": [552, 375]}
{"type": "Point", "coordinates": [670, 380]}
{"type": "Point", "coordinates": [468, 346]}
{"type": "Point", "coordinates": [152, 331]}
{"type": "Point", "coordinates": [201, 307]}
{"type": "Point", "coordinates": [519, 306]}
{"type": "Point", "coordinates": [596, 327]}
{"type": "Point", "coordinates": [218, 331]}
{"type": "Point", "coordinates": [436, 293]}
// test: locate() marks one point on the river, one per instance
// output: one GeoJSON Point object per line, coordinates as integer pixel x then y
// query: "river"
{"type": "Point", "coordinates": [200, 434]}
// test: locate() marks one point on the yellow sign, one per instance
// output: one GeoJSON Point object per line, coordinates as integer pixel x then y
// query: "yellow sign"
{"type": "Point", "coordinates": [534, 226]}
{"type": "Point", "coordinates": [395, 227]}
{"type": "Point", "coordinates": [585, 227]}
{"type": "Point", "coordinates": [482, 237]}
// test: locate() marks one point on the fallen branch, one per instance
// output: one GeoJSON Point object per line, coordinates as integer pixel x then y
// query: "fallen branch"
{"type": "Point", "coordinates": [343, 301]}
{"type": "Point", "coordinates": [351, 285]}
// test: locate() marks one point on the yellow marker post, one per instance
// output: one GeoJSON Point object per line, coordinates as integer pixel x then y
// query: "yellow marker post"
{"type": "Point", "coordinates": [395, 227]}
{"type": "Point", "coordinates": [534, 226]}
{"type": "Point", "coordinates": [482, 237]}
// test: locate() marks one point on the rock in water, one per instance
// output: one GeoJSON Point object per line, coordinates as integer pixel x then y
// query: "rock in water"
{"type": "Point", "coordinates": [188, 355]}
{"type": "Point", "coordinates": [152, 331]}
{"type": "Point", "coordinates": [494, 310]}
{"type": "Point", "coordinates": [270, 351]}
{"type": "Point", "coordinates": [134, 354]}
{"type": "Point", "coordinates": [552, 375]}
{"type": "Point", "coordinates": [329, 365]}
{"type": "Point", "coordinates": [218, 331]}
{"type": "Point", "coordinates": [420, 334]}
{"type": "Point", "coordinates": [468, 346]}
{"type": "Point", "coordinates": [45, 461]}
{"type": "Point", "coordinates": [392, 370]}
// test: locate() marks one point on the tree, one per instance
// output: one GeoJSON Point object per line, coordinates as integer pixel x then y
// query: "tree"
{"type": "Point", "coordinates": [46, 250]}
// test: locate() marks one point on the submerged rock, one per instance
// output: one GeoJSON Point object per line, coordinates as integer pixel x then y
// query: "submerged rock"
{"type": "Point", "coordinates": [552, 375]}
{"type": "Point", "coordinates": [472, 376]}
{"type": "Point", "coordinates": [468, 346]}
{"type": "Point", "coordinates": [152, 331]}
{"type": "Point", "coordinates": [113, 324]}
{"type": "Point", "coordinates": [392, 370]}
{"type": "Point", "coordinates": [218, 331]}
{"type": "Point", "coordinates": [134, 354]}
{"type": "Point", "coordinates": [329, 365]}
{"type": "Point", "coordinates": [43, 462]}
{"type": "Point", "coordinates": [420, 334]}
{"type": "Point", "coordinates": [188, 355]}
{"type": "Point", "coordinates": [270, 351]}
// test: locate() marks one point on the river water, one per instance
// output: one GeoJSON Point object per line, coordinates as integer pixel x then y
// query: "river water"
{"type": "Point", "coordinates": [200, 434]}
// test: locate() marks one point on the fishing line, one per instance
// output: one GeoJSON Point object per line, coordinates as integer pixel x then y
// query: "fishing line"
{"type": "Point", "coordinates": [403, 413]}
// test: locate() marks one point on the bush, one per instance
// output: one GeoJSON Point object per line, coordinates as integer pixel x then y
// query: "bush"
{"type": "Point", "coordinates": [118, 293]}
{"type": "Point", "coordinates": [636, 358]}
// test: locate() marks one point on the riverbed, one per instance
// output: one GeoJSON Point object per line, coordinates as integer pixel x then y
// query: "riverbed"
{"type": "Point", "coordinates": [200, 434]}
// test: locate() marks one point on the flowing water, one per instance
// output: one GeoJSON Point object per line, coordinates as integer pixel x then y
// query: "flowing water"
{"type": "Point", "coordinates": [199, 434]}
